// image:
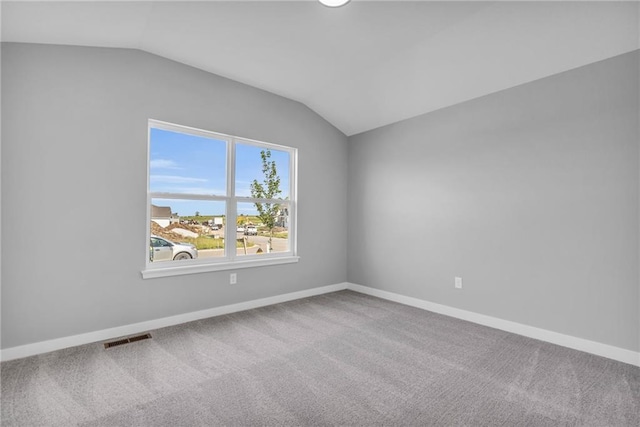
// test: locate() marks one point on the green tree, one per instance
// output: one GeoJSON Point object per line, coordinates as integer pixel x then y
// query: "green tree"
{"type": "Point", "coordinates": [197, 213]}
{"type": "Point", "coordinates": [268, 189]}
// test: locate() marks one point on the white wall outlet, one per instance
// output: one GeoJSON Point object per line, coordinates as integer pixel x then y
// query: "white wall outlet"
{"type": "Point", "coordinates": [233, 278]}
{"type": "Point", "coordinates": [458, 283]}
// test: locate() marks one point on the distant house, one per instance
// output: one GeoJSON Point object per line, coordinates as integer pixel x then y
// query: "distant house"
{"type": "Point", "coordinates": [282, 218]}
{"type": "Point", "coordinates": [162, 215]}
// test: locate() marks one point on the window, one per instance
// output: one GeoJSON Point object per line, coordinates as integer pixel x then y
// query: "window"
{"type": "Point", "coordinates": [217, 202]}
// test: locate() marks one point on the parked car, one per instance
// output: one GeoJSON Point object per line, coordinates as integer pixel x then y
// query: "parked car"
{"type": "Point", "coordinates": [166, 250]}
{"type": "Point", "coordinates": [251, 230]}
{"type": "Point", "coordinates": [240, 229]}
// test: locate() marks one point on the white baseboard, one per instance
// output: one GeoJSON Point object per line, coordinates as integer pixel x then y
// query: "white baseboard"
{"type": "Point", "coordinates": [599, 349]}
{"type": "Point", "coordinates": [136, 328]}
{"type": "Point", "coordinates": [604, 350]}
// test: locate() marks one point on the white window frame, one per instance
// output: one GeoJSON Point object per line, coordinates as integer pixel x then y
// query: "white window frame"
{"type": "Point", "coordinates": [230, 260]}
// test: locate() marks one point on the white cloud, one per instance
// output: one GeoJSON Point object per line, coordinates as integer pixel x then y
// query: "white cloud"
{"type": "Point", "coordinates": [175, 179]}
{"type": "Point", "coordinates": [163, 164]}
{"type": "Point", "coordinates": [201, 204]}
{"type": "Point", "coordinates": [203, 190]}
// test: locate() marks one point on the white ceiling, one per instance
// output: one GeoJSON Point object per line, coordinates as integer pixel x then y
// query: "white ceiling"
{"type": "Point", "coordinates": [361, 66]}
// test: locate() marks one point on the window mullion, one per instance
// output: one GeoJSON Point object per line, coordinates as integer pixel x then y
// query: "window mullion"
{"type": "Point", "coordinates": [256, 200]}
{"type": "Point", "coordinates": [232, 206]}
{"type": "Point", "coordinates": [185, 196]}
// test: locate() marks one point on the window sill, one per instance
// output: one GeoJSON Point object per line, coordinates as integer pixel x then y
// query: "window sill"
{"type": "Point", "coordinates": [151, 273]}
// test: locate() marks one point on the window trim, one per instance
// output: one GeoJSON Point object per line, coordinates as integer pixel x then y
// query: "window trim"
{"type": "Point", "coordinates": [219, 266]}
{"type": "Point", "coordinates": [230, 260]}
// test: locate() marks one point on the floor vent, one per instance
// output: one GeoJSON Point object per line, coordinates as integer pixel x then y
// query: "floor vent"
{"type": "Point", "coordinates": [127, 340]}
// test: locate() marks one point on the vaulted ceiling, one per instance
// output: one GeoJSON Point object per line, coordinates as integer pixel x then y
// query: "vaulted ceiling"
{"type": "Point", "coordinates": [361, 66]}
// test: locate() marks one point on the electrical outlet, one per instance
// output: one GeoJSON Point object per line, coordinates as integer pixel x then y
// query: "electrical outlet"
{"type": "Point", "coordinates": [458, 283]}
{"type": "Point", "coordinates": [233, 278]}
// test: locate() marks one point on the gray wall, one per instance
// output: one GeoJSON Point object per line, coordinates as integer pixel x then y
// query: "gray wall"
{"type": "Point", "coordinates": [530, 194]}
{"type": "Point", "coordinates": [74, 188]}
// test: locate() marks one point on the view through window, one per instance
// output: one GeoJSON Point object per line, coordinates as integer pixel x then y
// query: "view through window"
{"type": "Point", "coordinates": [216, 198]}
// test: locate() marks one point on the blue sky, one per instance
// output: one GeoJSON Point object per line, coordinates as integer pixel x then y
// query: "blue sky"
{"type": "Point", "coordinates": [189, 164]}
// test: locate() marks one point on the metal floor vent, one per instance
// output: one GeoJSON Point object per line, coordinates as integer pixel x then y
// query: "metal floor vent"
{"type": "Point", "coordinates": [127, 340]}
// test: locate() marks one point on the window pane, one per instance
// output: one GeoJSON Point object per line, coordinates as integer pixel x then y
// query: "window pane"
{"type": "Point", "coordinates": [186, 164]}
{"type": "Point", "coordinates": [251, 181]}
{"type": "Point", "coordinates": [189, 228]}
{"type": "Point", "coordinates": [262, 228]}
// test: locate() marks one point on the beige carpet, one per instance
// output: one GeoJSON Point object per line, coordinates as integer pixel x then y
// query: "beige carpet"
{"type": "Point", "coordinates": [336, 359]}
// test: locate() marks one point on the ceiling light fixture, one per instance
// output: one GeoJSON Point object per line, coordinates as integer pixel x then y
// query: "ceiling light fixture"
{"type": "Point", "coordinates": [334, 3]}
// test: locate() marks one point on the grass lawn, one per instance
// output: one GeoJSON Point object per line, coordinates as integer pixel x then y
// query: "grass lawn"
{"type": "Point", "coordinates": [205, 242]}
